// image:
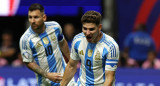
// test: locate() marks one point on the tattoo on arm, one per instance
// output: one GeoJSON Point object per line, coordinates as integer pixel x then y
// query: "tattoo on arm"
{"type": "Point", "coordinates": [37, 69]}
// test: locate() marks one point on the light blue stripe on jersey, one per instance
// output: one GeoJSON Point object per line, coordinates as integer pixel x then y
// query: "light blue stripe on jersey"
{"type": "Point", "coordinates": [36, 60]}
{"type": "Point", "coordinates": [80, 35]}
{"type": "Point", "coordinates": [103, 37]}
{"type": "Point", "coordinates": [112, 47]}
{"type": "Point", "coordinates": [76, 46]}
{"type": "Point", "coordinates": [89, 65]}
{"type": "Point", "coordinates": [59, 36]}
{"type": "Point", "coordinates": [50, 55]}
{"type": "Point", "coordinates": [111, 62]}
{"type": "Point", "coordinates": [24, 41]}
{"type": "Point", "coordinates": [104, 55]}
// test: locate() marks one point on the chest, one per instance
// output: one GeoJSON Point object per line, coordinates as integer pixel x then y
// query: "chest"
{"type": "Point", "coordinates": [44, 43]}
{"type": "Point", "coordinates": [92, 53]}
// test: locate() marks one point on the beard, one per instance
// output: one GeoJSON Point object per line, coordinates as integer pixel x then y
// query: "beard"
{"type": "Point", "coordinates": [37, 27]}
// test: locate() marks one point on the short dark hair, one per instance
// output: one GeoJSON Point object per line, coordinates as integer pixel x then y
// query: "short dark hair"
{"type": "Point", "coordinates": [36, 6]}
{"type": "Point", "coordinates": [91, 17]}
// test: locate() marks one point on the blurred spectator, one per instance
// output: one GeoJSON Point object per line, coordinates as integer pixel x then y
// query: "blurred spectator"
{"type": "Point", "coordinates": [8, 49]}
{"type": "Point", "coordinates": [152, 61]}
{"type": "Point", "coordinates": [137, 45]}
{"type": "Point", "coordinates": [69, 32]}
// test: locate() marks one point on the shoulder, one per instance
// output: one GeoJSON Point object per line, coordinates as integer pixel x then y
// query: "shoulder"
{"type": "Point", "coordinates": [53, 25]}
{"type": "Point", "coordinates": [26, 36]}
{"type": "Point", "coordinates": [79, 36]}
{"type": "Point", "coordinates": [50, 23]}
{"type": "Point", "coordinates": [109, 41]}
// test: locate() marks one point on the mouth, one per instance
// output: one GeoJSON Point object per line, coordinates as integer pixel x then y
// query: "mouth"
{"type": "Point", "coordinates": [88, 38]}
{"type": "Point", "coordinates": [34, 25]}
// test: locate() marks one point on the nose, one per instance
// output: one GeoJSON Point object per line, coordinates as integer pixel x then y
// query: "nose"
{"type": "Point", "coordinates": [32, 20]}
{"type": "Point", "coordinates": [87, 32]}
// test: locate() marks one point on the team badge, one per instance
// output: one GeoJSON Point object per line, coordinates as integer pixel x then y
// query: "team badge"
{"type": "Point", "coordinates": [89, 52]}
{"type": "Point", "coordinates": [45, 40]}
{"type": "Point", "coordinates": [97, 57]}
{"type": "Point", "coordinates": [53, 38]}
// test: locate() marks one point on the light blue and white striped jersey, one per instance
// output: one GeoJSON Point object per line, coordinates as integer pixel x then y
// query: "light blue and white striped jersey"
{"type": "Point", "coordinates": [95, 59]}
{"type": "Point", "coordinates": [44, 50]}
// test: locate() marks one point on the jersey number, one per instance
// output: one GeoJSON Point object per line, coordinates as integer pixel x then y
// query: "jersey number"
{"type": "Point", "coordinates": [48, 50]}
{"type": "Point", "coordinates": [88, 63]}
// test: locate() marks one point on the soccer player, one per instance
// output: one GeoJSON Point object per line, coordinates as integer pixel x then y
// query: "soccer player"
{"type": "Point", "coordinates": [42, 46]}
{"type": "Point", "coordinates": [98, 52]}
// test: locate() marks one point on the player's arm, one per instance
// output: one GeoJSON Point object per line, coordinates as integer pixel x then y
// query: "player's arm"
{"type": "Point", "coordinates": [110, 75]}
{"type": "Point", "coordinates": [64, 48]}
{"type": "Point", "coordinates": [55, 77]}
{"type": "Point", "coordinates": [70, 70]}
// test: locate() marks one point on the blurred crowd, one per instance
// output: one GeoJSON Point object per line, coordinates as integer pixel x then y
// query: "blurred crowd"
{"type": "Point", "coordinates": [139, 48]}
{"type": "Point", "coordinates": [9, 50]}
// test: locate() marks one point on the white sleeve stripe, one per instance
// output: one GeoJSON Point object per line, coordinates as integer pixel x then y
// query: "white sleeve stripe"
{"type": "Point", "coordinates": [111, 61]}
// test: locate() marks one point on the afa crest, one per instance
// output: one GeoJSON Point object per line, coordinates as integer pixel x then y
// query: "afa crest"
{"type": "Point", "coordinates": [53, 38]}
{"type": "Point", "coordinates": [90, 52]}
{"type": "Point", "coordinates": [45, 40]}
{"type": "Point", "coordinates": [97, 56]}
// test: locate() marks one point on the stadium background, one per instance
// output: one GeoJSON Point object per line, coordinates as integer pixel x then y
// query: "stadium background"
{"type": "Point", "coordinates": [119, 18]}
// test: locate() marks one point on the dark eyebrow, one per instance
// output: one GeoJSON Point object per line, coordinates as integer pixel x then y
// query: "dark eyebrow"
{"type": "Point", "coordinates": [83, 27]}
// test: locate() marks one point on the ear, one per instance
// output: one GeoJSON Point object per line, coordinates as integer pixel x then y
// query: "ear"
{"type": "Point", "coordinates": [44, 17]}
{"type": "Point", "coordinates": [100, 27]}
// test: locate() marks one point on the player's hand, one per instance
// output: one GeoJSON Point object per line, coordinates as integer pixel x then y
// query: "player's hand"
{"type": "Point", "coordinates": [55, 77]}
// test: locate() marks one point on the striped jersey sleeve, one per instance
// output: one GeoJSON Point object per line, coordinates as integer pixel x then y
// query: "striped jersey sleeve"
{"type": "Point", "coordinates": [26, 52]}
{"type": "Point", "coordinates": [112, 57]}
{"type": "Point", "coordinates": [75, 45]}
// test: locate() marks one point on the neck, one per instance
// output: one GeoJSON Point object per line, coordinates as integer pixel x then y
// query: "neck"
{"type": "Point", "coordinates": [99, 37]}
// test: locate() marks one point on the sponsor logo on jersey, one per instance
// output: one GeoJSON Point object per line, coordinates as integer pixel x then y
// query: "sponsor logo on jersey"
{"type": "Point", "coordinates": [90, 52]}
{"type": "Point", "coordinates": [45, 40]}
{"type": "Point", "coordinates": [81, 52]}
{"type": "Point", "coordinates": [39, 45]}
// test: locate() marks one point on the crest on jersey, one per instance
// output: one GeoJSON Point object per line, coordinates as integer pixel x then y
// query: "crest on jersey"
{"type": "Point", "coordinates": [53, 38]}
{"type": "Point", "coordinates": [97, 56]}
{"type": "Point", "coordinates": [45, 40]}
{"type": "Point", "coordinates": [90, 52]}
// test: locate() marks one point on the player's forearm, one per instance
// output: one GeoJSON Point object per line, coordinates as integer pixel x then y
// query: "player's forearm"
{"type": "Point", "coordinates": [68, 74]}
{"type": "Point", "coordinates": [108, 82]}
{"type": "Point", "coordinates": [37, 69]}
{"type": "Point", "coordinates": [110, 76]}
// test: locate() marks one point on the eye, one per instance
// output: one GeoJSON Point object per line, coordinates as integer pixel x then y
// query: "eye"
{"type": "Point", "coordinates": [91, 29]}
{"type": "Point", "coordinates": [29, 17]}
{"type": "Point", "coordinates": [84, 28]}
{"type": "Point", "coordinates": [36, 17]}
